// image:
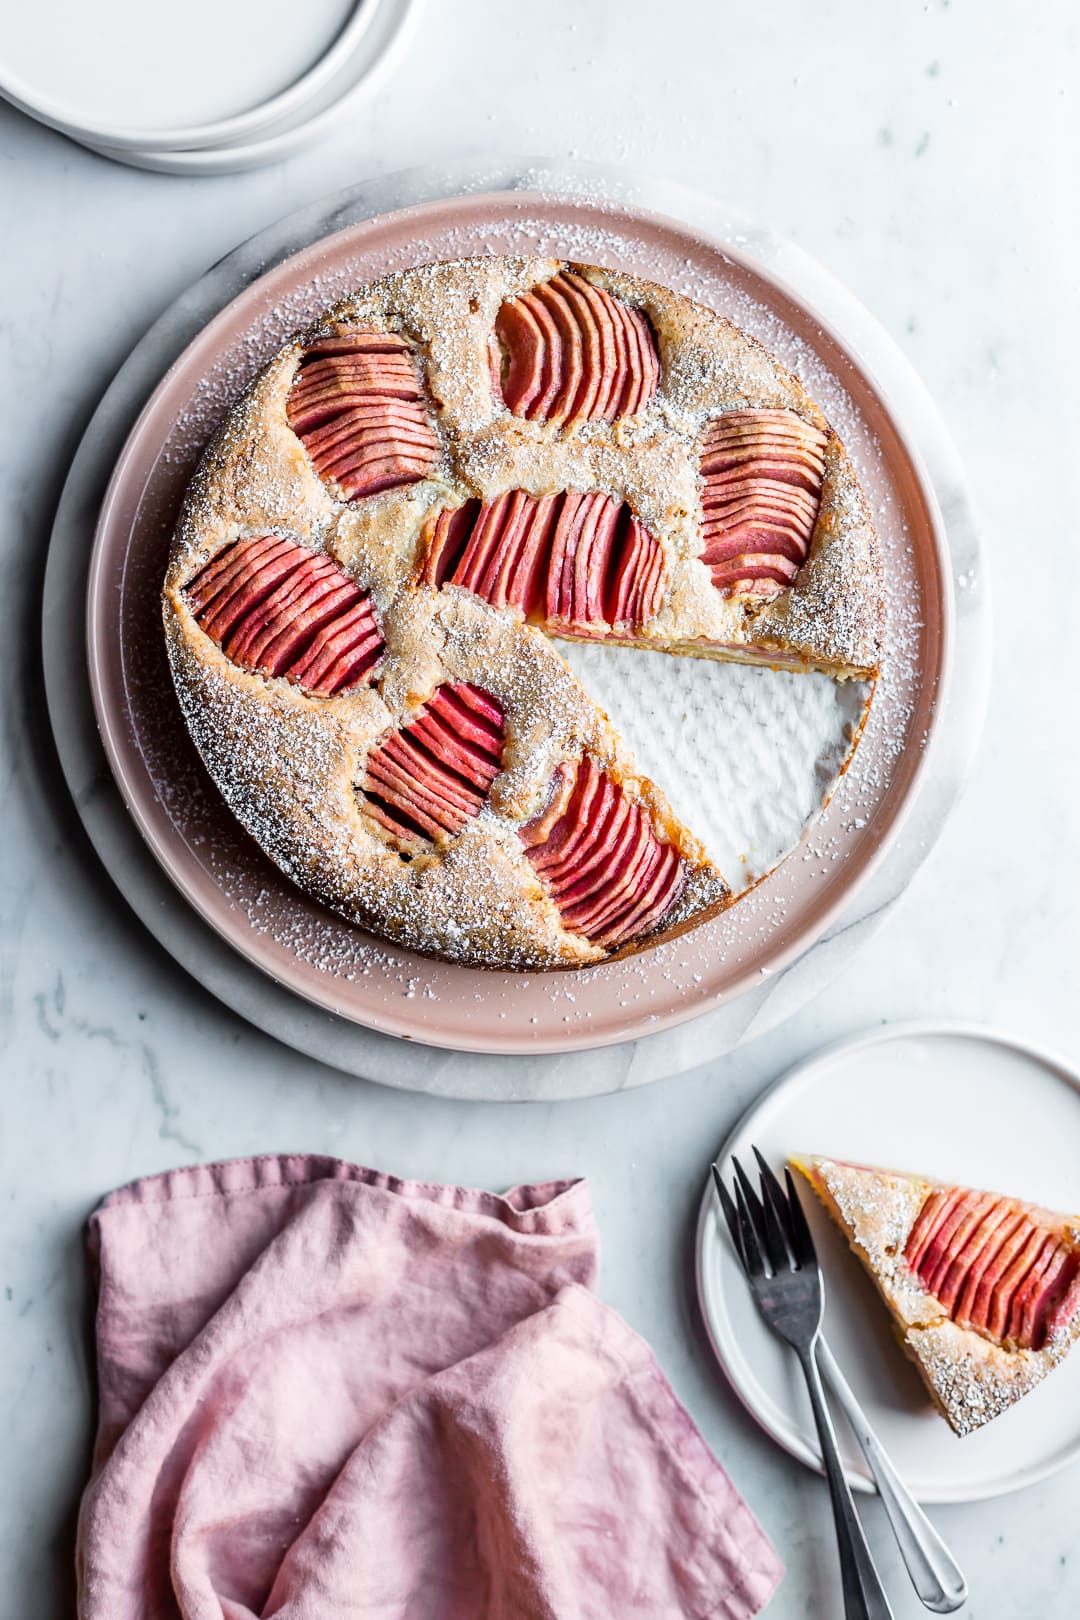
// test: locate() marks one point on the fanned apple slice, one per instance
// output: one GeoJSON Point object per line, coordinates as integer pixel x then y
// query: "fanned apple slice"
{"type": "Point", "coordinates": [423, 782]}
{"type": "Point", "coordinates": [574, 562]}
{"type": "Point", "coordinates": [600, 859]}
{"type": "Point", "coordinates": [573, 353]}
{"type": "Point", "coordinates": [357, 405]}
{"type": "Point", "coordinates": [984, 1290]}
{"type": "Point", "coordinates": [762, 475]}
{"type": "Point", "coordinates": [276, 607]}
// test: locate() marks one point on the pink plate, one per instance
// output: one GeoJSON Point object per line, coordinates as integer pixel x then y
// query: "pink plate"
{"type": "Point", "coordinates": [223, 874]}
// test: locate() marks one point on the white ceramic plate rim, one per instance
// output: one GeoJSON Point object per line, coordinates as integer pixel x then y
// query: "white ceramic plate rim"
{"type": "Point", "coordinates": [789, 1435]}
{"type": "Point", "coordinates": [279, 126]}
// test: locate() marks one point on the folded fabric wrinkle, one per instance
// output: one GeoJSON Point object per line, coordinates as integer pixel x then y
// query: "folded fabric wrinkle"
{"type": "Point", "coordinates": [327, 1391]}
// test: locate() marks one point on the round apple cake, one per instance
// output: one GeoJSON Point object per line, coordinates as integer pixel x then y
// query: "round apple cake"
{"type": "Point", "coordinates": [457, 466]}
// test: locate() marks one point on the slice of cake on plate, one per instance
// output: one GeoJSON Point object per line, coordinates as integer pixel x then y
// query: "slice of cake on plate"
{"type": "Point", "coordinates": [984, 1290]}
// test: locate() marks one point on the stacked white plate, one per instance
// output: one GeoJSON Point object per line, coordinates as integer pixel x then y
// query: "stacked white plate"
{"type": "Point", "coordinates": [205, 88]}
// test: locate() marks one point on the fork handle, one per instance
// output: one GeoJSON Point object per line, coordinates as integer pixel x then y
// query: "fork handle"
{"type": "Point", "coordinates": [864, 1595]}
{"type": "Point", "coordinates": [934, 1572]}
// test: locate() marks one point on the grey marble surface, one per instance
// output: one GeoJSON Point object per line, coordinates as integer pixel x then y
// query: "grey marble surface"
{"type": "Point", "coordinates": [925, 156]}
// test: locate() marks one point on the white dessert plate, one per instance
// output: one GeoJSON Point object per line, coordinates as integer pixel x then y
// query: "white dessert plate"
{"type": "Point", "coordinates": [952, 1100]}
{"type": "Point", "coordinates": [276, 80]}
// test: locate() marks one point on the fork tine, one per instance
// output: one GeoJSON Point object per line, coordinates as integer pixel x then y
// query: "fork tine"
{"type": "Point", "coordinates": [805, 1253]}
{"type": "Point", "coordinates": [752, 1255]}
{"type": "Point", "coordinates": [769, 1235]}
{"type": "Point", "coordinates": [729, 1215]}
{"type": "Point", "coordinates": [776, 1207]}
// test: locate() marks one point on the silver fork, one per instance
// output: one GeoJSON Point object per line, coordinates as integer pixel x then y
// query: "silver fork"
{"type": "Point", "coordinates": [935, 1575]}
{"type": "Point", "coordinates": [773, 1242]}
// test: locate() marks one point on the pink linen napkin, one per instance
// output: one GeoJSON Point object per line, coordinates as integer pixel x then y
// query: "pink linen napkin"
{"type": "Point", "coordinates": [328, 1393]}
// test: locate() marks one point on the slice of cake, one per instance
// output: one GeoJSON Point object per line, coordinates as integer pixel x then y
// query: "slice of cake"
{"type": "Point", "coordinates": [984, 1290]}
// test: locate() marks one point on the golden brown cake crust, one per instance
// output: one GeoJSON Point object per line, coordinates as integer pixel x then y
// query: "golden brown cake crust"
{"type": "Point", "coordinates": [288, 763]}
